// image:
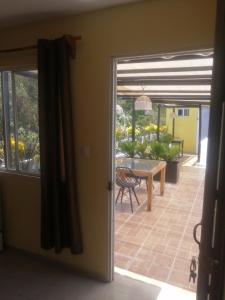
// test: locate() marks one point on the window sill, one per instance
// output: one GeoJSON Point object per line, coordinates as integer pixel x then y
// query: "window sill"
{"type": "Point", "coordinates": [13, 172]}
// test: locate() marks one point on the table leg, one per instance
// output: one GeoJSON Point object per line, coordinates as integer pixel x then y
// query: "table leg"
{"type": "Point", "coordinates": [162, 180]}
{"type": "Point", "coordinates": [149, 192]}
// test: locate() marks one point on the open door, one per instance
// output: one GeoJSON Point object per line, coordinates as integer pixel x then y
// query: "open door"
{"type": "Point", "coordinates": [212, 245]}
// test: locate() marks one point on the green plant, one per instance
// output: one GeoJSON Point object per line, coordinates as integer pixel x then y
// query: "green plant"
{"type": "Point", "coordinates": [120, 132]}
{"type": "Point", "coordinates": [141, 149]}
{"type": "Point", "coordinates": [171, 153]}
{"type": "Point", "coordinates": [151, 128]}
{"type": "Point", "coordinates": [130, 130]}
{"type": "Point", "coordinates": [128, 148]}
{"type": "Point", "coordinates": [157, 150]}
{"type": "Point", "coordinates": [30, 142]}
{"type": "Point", "coordinates": [166, 138]}
{"type": "Point", "coordinates": [1, 153]}
{"type": "Point", "coordinates": [163, 151]}
{"type": "Point", "coordinates": [163, 128]}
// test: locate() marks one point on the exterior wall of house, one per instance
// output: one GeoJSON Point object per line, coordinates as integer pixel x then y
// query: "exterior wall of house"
{"type": "Point", "coordinates": [186, 128]}
{"type": "Point", "coordinates": [146, 27]}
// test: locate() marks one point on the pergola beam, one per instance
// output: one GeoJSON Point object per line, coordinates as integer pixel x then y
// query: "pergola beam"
{"type": "Point", "coordinates": [171, 97]}
{"type": "Point", "coordinates": [179, 102]}
{"type": "Point", "coordinates": [171, 78]}
{"type": "Point", "coordinates": [162, 70]}
{"type": "Point", "coordinates": [150, 92]}
{"type": "Point", "coordinates": [164, 58]}
{"type": "Point", "coordinates": [130, 82]}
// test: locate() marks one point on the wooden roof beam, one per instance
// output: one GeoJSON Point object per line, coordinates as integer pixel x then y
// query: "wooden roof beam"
{"type": "Point", "coordinates": [162, 70]}
{"type": "Point", "coordinates": [130, 82]}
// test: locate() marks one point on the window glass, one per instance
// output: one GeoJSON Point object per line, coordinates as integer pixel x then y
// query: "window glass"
{"type": "Point", "coordinates": [186, 112]}
{"type": "Point", "coordinates": [27, 120]}
{"type": "Point", "coordinates": [180, 112]}
{"type": "Point", "coordinates": [19, 137]}
{"type": "Point", "coordinates": [183, 112]}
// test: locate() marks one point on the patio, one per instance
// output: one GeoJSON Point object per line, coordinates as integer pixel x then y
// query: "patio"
{"type": "Point", "coordinates": [159, 244]}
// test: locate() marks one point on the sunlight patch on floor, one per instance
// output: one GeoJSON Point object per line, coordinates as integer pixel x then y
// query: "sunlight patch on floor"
{"type": "Point", "coordinates": [190, 162]}
{"type": "Point", "coordinates": [167, 291]}
{"type": "Point", "coordinates": [204, 145]}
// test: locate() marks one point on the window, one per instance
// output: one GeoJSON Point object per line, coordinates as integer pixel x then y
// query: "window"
{"type": "Point", "coordinates": [183, 112]}
{"type": "Point", "coordinates": [19, 134]}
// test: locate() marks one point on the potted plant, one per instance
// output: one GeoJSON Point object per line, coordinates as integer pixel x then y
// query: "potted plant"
{"type": "Point", "coordinates": [128, 148]}
{"type": "Point", "coordinates": [169, 153]}
{"type": "Point", "coordinates": [141, 149]}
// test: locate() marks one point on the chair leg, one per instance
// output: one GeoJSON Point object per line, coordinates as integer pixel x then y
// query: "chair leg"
{"type": "Point", "coordinates": [121, 199]}
{"type": "Point", "coordinates": [135, 196]}
{"type": "Point", "coordinates": [118, 194]}
{"type": "Point", "coordinates": [131, 204]}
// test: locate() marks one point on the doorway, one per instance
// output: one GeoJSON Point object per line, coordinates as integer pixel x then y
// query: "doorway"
{"type": "Point", "coordinates": [161, 106]}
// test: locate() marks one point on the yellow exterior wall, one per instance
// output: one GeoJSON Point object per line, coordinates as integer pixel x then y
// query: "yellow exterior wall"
{"type": "Point", "coordinates": [147, 27]}
{"type": "Point", "coordinates": [186, 128]}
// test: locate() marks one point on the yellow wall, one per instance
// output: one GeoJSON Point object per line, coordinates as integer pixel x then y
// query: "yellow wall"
{"type": "Point", "coordinates": [144, 28]}
{"type": "Point", "coordinates": [186, 128]}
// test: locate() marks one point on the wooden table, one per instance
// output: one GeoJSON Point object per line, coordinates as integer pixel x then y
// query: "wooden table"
{"type": "Point", "coordinates": [146, 168]}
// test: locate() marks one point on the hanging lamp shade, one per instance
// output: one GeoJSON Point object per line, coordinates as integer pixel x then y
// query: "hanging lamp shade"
{"type": "Point", "coordinates": [143, 103]}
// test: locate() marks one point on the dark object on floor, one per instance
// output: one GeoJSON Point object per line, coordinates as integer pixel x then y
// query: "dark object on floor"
{"type": "Point", "coordinates": [126, 179]}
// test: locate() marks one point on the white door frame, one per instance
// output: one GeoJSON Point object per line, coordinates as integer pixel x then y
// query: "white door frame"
{"type": "Point", "coordinates": [111, 163]}
{"type": "Point", "coordinates": [111, 142]}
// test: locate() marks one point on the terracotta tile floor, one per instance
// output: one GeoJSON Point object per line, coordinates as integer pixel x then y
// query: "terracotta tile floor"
{"type": "Point", "coordinates": [159, 244]}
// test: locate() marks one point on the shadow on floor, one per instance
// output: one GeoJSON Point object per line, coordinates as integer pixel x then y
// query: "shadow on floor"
{"type": "Point", "coordinates": [27, 278]}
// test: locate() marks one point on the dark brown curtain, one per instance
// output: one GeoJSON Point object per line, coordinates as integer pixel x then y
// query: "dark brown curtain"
{"type": "Point", "coordinates": [60, 224]}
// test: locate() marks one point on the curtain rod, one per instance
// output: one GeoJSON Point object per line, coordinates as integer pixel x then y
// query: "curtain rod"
{"type": "Point", "coordinates": [71, 40]}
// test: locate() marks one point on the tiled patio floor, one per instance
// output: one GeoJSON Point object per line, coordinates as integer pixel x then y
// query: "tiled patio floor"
{"type": "Point", "coordinates": [159, 244]}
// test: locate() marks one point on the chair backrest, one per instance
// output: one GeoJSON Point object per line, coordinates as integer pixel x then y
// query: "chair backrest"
{"type": "Point", "coordinates": [125, 178]}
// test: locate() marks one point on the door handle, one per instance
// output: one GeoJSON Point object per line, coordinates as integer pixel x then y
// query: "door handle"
{"type": "Point", "coordinates": [109, 186]}
{"type": "Point", "coordinates": [195, 233]}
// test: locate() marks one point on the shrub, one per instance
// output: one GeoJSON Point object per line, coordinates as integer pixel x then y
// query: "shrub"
{"type": "Point", "coordinates": [163, 129]}
{"type": "Point", "coordinates": [21, 146]}
{"type": "Point", "coordinates": [163, 151]}
{"type": "Point", "coordinates": [129, 131]}
{"type": "Point", "coordinates": [141, 149]}
{"type": "Point", "coordinates": [157, 150]}
{"type": "Point", "coordinates": [152, 128]}
{"type": "Point", "coordinates": [128, 148]}
{"type": "Point", "coordinates": [166, 138]}
{"type": "Point", "coordinates": [119, 133]}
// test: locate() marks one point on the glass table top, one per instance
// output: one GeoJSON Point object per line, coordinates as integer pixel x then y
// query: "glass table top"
{"type": "Point", "coordinates": [137, 164]}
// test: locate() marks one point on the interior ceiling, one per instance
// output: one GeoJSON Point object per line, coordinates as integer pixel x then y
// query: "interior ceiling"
{"type": "Point", "coordinates": [178, 79]}
{"type": "Point", "coordinates": [15, 12]}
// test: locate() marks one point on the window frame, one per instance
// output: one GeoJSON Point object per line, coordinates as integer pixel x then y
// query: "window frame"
{"type": "Point", "coordinates": [183, 110]}
{"type": "Point", "coordinates": [7, 169]}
